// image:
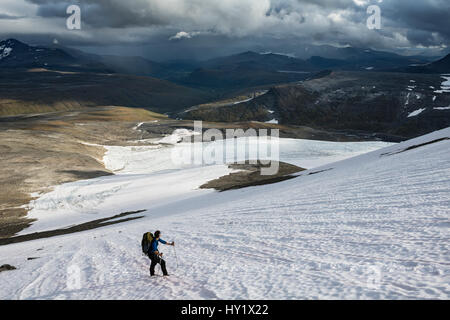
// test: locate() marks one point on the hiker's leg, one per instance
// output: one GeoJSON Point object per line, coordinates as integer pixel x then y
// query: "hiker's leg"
{"type": "Point", "coordinates": [152, 266]}
{"type": "Point", "coordinates": [163, 267]}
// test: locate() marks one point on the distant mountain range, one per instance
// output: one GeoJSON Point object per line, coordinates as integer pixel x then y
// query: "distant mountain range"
{"type": "Point", "coordinates": [16, 54]}
{"type": "Point", "coordinates": [344, 53]}
{"type": "Point", "coordinates": [396, 104]}
{"type": "Point", "coordinates": [39, 79]}
{"type": "Point", "coordinates": [349, 59]}
{"type": "Point", "coordinates": [246, 69]}
{"type": "Point", "coordinates": [348, 93]}
{"type": "Point", "coordinates": [252, 69]}
{"type": "Point", "coordinates": [439, 66]}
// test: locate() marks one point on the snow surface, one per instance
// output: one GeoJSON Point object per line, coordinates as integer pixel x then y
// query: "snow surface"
{"type": "Point", "coordinates": [445, 86]}
{"type": "Point", "coordinates": [6, 51]}
{"type": "Point", "coordinates": [147, 177]}
{"type": "Point", "coordinates": [407, 98]}
{"type": "Point", "coordinates": [242, 101]}
{"type": "Point", "coordinates": [416, 112]}
{"type": "Point", "coordinates": [138, 126]}
{"type": "Point", "coordinates": [369, 227]}
{"type": "Point", "coordinates": [177, 136]}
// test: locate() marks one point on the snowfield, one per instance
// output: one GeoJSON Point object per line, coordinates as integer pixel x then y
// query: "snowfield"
{"type": "Point", "coordinates": [147, 177]}
{"type": "Point", "coordinates": [373, 226]}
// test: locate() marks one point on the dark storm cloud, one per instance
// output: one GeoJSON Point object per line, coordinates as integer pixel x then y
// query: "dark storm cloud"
{"type": "Point", "coordinates": [426, 15]}
{"type": "Point", "coordinates": [420, 18]}
{"type": "Point", "coordinates": [122, 14]}
{"type": "Point", "coordinates": [104, 13]}
{"type": "Point", "coordinates": [421, 37]}
{"type": "Point", "coordinates": [196, 23]}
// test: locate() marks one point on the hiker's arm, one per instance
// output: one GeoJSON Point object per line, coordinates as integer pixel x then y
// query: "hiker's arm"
{"type": "Point", "coordinates": [165, 242]}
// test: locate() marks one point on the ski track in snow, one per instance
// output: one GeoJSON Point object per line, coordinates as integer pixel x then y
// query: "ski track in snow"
{"type": "Point", "coordinates": [373, 227]}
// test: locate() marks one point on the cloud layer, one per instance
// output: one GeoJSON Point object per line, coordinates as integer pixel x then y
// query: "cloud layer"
{"type": "Point", "coordinates": [405, 23]}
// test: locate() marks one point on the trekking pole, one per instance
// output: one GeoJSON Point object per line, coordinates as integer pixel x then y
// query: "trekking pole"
{"type": "Point", "coordinates": [176, 258]}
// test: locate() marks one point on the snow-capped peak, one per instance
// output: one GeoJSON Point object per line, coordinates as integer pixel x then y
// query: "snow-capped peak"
{"type": "Point", "coordinates": [5, 51]}
{"type": "Point", "coordinates": [8, 46]}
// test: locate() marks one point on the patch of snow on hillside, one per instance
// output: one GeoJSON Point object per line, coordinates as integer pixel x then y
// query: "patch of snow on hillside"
{"type": "Point", "coordinates": [407, 98]}
{"type": "Point", "coordinates": [416, 112]}
{"type": "Point", "coordinates": [138, 126]}
{"type": "Point", "coordinates": [6, 52]}
{"type": "Point", "coordinates": [242, 101]}
{"type": "Point", "coordinates": [445, 86]}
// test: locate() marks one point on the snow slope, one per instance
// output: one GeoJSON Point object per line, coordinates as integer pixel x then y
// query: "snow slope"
{"type": "Point", "coordinates": [147, 178]}
{"type": "Point", "coordinates": [370, 227]}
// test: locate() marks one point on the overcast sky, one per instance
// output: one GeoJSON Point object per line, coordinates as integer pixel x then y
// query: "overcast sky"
{"type": "Point", "coordinates": [164, 29]}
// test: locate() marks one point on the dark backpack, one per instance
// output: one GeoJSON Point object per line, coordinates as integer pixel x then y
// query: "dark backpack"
{"type": "Point", "coordinates": [147, 239]}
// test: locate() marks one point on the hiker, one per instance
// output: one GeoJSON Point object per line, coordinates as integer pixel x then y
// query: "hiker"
{"type": "Point", "coordinates": [156, 256]}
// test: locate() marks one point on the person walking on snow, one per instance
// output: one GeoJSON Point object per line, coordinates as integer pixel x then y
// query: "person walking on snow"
{"type": "Point", "coordinates": [156, 256]}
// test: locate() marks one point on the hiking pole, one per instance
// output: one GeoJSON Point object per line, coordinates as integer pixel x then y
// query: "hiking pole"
{"type": "Point", "coordinates": [176, 258]}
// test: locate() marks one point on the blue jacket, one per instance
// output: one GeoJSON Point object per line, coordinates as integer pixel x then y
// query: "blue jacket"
{"type": "Point", "coordinates": [154, 245]}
